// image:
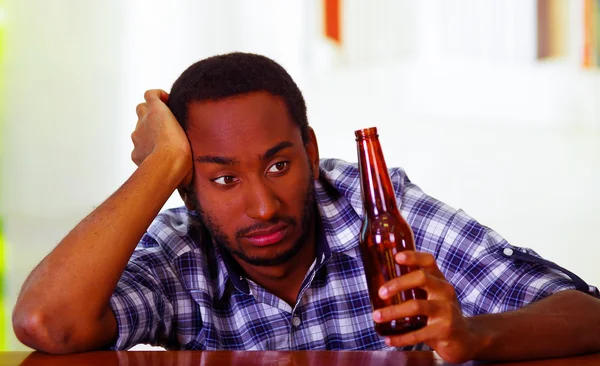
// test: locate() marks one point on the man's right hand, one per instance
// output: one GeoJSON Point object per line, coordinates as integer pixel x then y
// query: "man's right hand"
{"type": "Point", "coordinates": [158, 132]}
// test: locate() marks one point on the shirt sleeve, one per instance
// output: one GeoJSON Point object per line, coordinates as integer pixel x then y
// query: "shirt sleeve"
{"type": "Point", "coordinates": [492, 276]}
{"type": "Point", "coordinates": [489, 275]}
{"type": "Point", "coordinates": [141, 306]}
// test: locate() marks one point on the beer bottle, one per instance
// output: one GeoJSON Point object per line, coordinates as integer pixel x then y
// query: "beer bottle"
{"type": "Point", "coordinates": [384, 233]}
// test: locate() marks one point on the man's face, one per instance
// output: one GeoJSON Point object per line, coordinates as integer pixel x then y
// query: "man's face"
{"type": "Point", "coordinates": [254, 176]}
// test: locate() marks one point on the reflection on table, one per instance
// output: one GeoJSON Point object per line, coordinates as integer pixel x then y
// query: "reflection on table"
{"type": "Point", "coordinates": [279, 358]}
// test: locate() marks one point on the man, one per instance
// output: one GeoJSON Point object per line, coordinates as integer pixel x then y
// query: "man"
{"type": "Point", "coordinates": [265, 253]}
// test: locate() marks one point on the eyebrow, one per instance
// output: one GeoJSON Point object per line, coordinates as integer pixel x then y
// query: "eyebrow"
{"type": "Point", "coordinates": [275, 149]}
{"type": "Point", "coordinates": [223, 160]}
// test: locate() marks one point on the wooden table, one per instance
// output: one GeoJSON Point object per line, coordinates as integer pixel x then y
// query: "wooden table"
{"type": "Point", "coordinates": [291, 358]}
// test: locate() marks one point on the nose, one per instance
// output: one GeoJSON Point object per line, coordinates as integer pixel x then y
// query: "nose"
{"type": "Point", "coordinates": [261, 201]}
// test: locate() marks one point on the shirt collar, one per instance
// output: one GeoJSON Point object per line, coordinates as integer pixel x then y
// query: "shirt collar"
{"type": "Point", "coordinates": [322, 252]}
{"type": "Point", "coordinates": [340, 216]}
{"type": "Point", "coordinates": [229, 270]}
{"type": "Point", "coordinates": [225, 266]}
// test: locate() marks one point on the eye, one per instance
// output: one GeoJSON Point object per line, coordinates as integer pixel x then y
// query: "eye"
{"type": "Point", "coordinates": [279, 167]}
{"type": "Point", "coordinates": [225, 180]}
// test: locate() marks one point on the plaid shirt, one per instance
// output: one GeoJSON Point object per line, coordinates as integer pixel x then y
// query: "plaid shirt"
{"type": "Point", "coordinates": [186, 294]}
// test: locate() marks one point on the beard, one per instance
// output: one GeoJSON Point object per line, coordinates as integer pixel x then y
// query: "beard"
{"type": "Point", "coordinates": [202, 220]}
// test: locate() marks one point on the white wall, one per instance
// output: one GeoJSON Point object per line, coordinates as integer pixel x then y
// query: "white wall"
{"type": "Point", "coordinates": [516, 145]}
{"type": "Point", "coordinates": [62, 92]}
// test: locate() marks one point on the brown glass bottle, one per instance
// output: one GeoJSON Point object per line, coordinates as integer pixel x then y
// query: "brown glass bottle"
{"type": "Point", "coordinates": [384, 233]}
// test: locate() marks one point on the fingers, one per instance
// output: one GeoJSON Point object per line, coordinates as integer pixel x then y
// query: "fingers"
{"type": "Point", "coordinates": [434, 286]}
{"type": "Point", "coordinates": [403, 310]}
{"type": "Point", "coordinates": [429, 308]}
{"type": "Point", "coordinates": [158, 130]}
{"type": "Point", "coordinates": [443, 320]}
{"type": "Point", "coordinates": [427, 277]}
{"type": "Point", "coordinates": [134, 158]}
{"type": "Point", "coordinates": [154, 95]}
{"type": "Point", "coordinates": [422, 335]}
{"type": "Point", "coordinates": [445, 326]}
{"type": "Point", "coordinates": [141, 110]}
{"type": "Point", "coordinates": [418, 259]}
{"type": "Point", "coordinates": [164, 96]}
{"type": "Point", "coordinates": [137, 156]}
{"type": "Point", "coordinates": [446, 329]}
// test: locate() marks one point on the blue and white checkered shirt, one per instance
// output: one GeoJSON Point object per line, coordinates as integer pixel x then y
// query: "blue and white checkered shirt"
{"type": "Point", "coordinates": [185, 294]}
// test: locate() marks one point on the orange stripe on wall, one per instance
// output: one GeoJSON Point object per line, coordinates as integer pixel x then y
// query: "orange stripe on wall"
{"type": "Point", "coordinates": [588, 24]}
{"type": "Point", "coordinates": [586, 33]}
{"type": "Point", "coordinates": [332, 20]}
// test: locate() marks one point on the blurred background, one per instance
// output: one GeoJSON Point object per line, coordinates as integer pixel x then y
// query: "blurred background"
{"type": "Point", "coordinates": [490, 106]}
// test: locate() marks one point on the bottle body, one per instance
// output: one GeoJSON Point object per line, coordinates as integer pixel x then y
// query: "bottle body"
{"type": "Point", "coordinates": [384, 233]}
{"type": "Point", "coordinates": [381, 239]}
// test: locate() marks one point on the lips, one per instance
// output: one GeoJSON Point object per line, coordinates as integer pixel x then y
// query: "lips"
{"type": "Point", "coordinates": [265, 237]}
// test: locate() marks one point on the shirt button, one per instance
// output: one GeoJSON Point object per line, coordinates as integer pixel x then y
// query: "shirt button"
{"type": "Point", "coordinates": [508, 252]}
{"type": "Point", "coordinates": [296, 321]}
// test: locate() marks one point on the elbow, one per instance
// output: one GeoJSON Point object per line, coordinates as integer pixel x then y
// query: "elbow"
{"type": "Point", "coordinates": [34, 329]}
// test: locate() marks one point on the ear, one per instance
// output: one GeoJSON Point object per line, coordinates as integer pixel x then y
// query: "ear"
{"type": "Point", "coordinates": [188, 197]}
{"type": "Point", "coordinates": [312, 150]}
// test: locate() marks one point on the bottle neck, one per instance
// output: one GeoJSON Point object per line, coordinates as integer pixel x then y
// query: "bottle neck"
{"type": "Point", "coordinates": [376, 186]}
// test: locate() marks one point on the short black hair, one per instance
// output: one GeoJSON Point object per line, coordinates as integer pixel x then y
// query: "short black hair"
{"type": "Point", "coordinates": [233, 74]}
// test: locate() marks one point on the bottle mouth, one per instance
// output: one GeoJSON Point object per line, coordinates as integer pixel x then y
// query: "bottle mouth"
{"type": "Point", "coordinates": [366, 133]}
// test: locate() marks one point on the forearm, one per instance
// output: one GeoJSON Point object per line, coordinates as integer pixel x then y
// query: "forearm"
{"type": "Point", "coordinates": [73, 284]}
{"type": "Point", "coordinates": [566, 323]}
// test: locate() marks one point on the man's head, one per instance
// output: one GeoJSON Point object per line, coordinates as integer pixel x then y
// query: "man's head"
{"type": "Point", "coordinates": [234, 74]}
{"type": "Point", "coordinates": [255, 157]}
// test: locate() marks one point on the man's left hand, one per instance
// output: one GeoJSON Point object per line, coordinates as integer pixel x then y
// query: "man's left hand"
{"type": "Point", "coordinates": [447, 331]}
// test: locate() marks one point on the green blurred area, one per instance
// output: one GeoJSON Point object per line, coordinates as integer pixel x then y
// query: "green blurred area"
{"type": "Point", "coordinates": [3, 329]}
